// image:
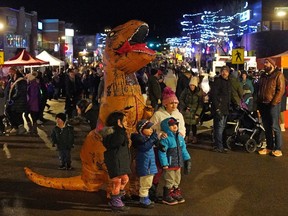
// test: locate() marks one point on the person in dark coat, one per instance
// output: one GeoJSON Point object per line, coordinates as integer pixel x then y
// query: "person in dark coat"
{"type": "Point", "coordinates": [154, 89]}
{"type": "Point", "coordinates": [182, 82]}
{"type": "Point", "coordinates": [143, 142]}
{"type": "Point", "coordinates": [16, 91]}
{"type": "Point", "coordinates": [73, 89]}
{"type": "Point", "coordinates": [221, 92]}
{"type": "Point", "coordinates": [63, 138]}
{"type": "Point", "coordinates": [117, 156]}
{"type": "Point", "coordinates": [2, 107]}
{"type": "Point", "coordinates": [43, 97]}
{"type": "Point", "coordinates": [89, 111]}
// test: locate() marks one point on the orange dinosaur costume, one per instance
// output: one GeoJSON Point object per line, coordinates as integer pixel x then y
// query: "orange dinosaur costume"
{"type": "Point", "coordinates": [125, 53]}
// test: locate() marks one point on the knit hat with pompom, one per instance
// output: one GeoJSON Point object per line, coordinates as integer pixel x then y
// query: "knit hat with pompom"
{"type": "Point", "coordinates": [168, 96]}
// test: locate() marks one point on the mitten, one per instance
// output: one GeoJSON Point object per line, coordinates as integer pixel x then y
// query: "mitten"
{"type": "Point", "coordinates": [187, 167]}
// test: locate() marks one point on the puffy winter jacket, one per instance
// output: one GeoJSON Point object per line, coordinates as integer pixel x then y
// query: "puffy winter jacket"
{"type": "Point", "coordinates": [176, 152]}
{"type": "Point", "coordinates": [145, 156]}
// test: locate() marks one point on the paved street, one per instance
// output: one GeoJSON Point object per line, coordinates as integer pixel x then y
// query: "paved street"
{"type": "Point", "coordinates": [233, 184]}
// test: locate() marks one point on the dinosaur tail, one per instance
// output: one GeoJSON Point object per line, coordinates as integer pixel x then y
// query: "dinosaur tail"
{"type": "Point", "coordinates": [72, 183]}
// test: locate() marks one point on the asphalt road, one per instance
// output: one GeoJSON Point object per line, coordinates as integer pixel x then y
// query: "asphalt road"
{"type": "Point", "coordinates": [233, 184]}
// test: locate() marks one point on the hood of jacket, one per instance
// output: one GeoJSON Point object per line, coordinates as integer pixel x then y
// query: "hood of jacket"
{"type": "Point", "coordinates": [165, 126]}
{"type": "Point", "coordinates": [106, 131]}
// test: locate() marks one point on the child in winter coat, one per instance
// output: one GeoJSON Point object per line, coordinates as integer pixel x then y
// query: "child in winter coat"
{"type": "Point", "coordinates": [63, 137]}
{"type": "Point", "coordinates": [248, 98]}
{"type": "Point", "coordinates": [175, 156]}
{"type": "Point", "coordinates": [146, 168]}
{"type": "Point", "coordinates": [191, 105]}
{"type": "Point", "coordinates": [117, 157]}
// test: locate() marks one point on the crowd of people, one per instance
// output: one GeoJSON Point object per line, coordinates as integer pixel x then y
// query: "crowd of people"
{"type": "Point", "coordinates": [182, 100]}
{"type": "Point", "coordinates": [27, 93]}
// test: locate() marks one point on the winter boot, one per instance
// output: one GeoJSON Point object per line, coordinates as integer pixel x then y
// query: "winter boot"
{"type": "Point", "coordinates": [29, 124]}
{"type": "Point", "coordinates": [116, 203]}
{"type": "Point", "coordinates": [124, 195]}
{"type": "Point", "coordinates": [153, 193]}
{"type": "Point", "coordinates": [33, 130]}
{"type": "Point", "coordinates": [68, 166]}
{"type": "Point", "coordinates": [62, 167]}
{"type": "Point", "coordinates": [177, 195]}
{"type": "Point", "coordinates": [21, 129]}
{"type": "Point", "coordinates": [167, 196]}
{"type": "Point", "coordinates": [145, 202]}
{"type": "Point", "coordinates": [194, 140]}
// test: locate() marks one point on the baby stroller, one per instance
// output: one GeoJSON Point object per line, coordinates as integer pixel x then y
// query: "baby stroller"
{"type": "Point", "coordinates": [248, 131]}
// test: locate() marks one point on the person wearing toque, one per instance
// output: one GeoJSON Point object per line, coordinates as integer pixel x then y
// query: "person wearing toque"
{"type": "Point", "coordinates": [270, 91]}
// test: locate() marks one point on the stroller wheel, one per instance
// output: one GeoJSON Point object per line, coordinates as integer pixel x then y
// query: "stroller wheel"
{"type": "Point", "coordinates": [251, 145]}
{"type": "Point", "coordinates": [230, 142]}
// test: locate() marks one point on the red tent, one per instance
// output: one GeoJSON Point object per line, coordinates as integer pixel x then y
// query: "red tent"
{"type": "Point", "coordinates": [23, 59]}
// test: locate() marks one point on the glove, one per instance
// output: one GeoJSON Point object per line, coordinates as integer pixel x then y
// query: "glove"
{"type": "Point", "coordinates": [187, 167]}
{"type": "Point", "coordinates": [160, 147]}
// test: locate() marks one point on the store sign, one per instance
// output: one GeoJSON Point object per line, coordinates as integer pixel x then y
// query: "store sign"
{"type": "Point", "coordinates": [244, 16]}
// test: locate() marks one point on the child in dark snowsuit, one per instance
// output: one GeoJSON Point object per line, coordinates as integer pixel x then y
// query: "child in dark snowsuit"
{"type": "Point", "coordinates": [117, 157]}
{"type": "Point", "coordinates": [63, 137]}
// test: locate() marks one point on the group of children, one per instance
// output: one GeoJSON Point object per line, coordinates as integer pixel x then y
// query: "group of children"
{"type": "Point", "coordinates": [171, 153]}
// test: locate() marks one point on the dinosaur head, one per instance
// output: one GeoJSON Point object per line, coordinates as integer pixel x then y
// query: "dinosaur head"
{"type": "Point", "coordinates": [125, 47]}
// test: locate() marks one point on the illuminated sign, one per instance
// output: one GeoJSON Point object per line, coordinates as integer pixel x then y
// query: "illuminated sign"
{"type": "Point", "coordinates": [244, 16]}
{"type": "Point", "coordinates": [40, 25]}
{"type": "Point", "coordinates": [69, 32]}
{"type": "Point", "coordinates": [238, 56]}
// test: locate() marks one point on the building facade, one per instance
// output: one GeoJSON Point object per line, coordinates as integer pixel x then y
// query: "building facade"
{"type": "Point", "coordinates": [19, 31]}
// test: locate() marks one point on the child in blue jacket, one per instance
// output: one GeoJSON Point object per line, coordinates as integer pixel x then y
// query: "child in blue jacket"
{"type": "Point", "coordinates": [143, 142]}
{"type": "Point", "coordinates": [175, 157]}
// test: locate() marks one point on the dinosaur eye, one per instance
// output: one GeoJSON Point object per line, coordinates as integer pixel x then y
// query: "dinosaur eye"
{"type": "Point", "coordinates": [111, 34]}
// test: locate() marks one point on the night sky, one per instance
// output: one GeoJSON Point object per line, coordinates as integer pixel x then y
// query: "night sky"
{"type": "Point", "coordinates": [91, 16]}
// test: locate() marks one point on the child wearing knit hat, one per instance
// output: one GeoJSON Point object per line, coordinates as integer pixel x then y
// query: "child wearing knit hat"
{"type": "Point", "coordinates": [191, 106]}
{"type": "Point", "coordinates": [168, 96]}
{"type": "Point", "coordinates": [63, 137]}
{"type": "Point", "coordinates": [143, 142]}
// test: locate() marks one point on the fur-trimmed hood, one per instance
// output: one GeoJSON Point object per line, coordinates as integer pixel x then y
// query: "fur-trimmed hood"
{"type": "Point", "coordinates": [107, 131]}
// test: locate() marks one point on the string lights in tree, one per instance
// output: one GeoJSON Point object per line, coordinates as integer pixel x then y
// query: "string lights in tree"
{"type": "Point", "coordinates": [210, 28]}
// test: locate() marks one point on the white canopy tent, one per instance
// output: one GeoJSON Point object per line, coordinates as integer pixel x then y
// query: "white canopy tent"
{"type": "Point", "coordinates": [53, 61]}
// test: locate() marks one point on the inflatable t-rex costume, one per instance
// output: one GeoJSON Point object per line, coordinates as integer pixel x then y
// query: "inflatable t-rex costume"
{"type": "Point", "coordinates": [125, 53]}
